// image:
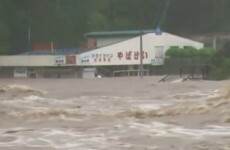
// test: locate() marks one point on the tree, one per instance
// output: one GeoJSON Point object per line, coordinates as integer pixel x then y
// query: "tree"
{"type": "Point", "coordinates": [4, 31]}
{"type": "Point", "coordinates": [173, 52]}
{"type": "Point", "coordinates": [98, 22]}
{"type": "Point", "coordinates": [66, 21]}
{"type": "Point", "coordinates": [207, 52]}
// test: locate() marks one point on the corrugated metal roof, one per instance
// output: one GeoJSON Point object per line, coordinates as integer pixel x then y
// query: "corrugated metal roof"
{"type": "Point", "coordinates": [116, 33]}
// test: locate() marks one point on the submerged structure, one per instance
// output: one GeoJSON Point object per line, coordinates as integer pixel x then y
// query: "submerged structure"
{"type": "Point", "coordinates": [110, 54]}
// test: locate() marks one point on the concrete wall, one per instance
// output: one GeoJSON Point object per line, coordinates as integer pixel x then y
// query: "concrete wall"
{"type": "Point", "coordinates": [42, 72]}
{"type": "Point", "coordinates": [57, 72]}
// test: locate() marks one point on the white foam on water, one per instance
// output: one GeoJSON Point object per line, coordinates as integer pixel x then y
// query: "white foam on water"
{"type": "Point", "coordinates": [19, 140]}
{"type": "Point", "coordinates": [33, 98]}
{"type": "Point", "coordinates": [85, 105]}
{"type": "Point", "coordinates": [167, 130]}
{"type": "Point", "coordinates": [34, 102]}
{"type": "Point", "coordinates": [16, 90]}
{"type": "Point", "coordinates": [197, 94]}
{"type": "Point", "coordinates": [150, 106]}
{"type": "Point", "coordinates": [105, 138]}
{"type": "Point", "coordinates": [101, 138]}
{"type": "Point", "coordinates": [177, 81]}
{"type": "Point", "coordinates": [56, 138]}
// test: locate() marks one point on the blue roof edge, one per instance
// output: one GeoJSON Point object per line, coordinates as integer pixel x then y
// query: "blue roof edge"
{"type": "Point", "coordinates": [117, 33]}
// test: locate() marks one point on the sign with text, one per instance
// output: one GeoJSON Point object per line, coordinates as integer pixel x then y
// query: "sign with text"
{"type": "Point", "coordinates": [126, 52]}
{"type": "Point", "coordinates": [115, 58]}
{"type": "Point", "coordinates": [59, 60]}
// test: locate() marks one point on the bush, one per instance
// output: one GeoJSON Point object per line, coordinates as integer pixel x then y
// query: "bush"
{"type": "Point", "coordinates": [207, 52]}
{"type": "Point", "coordinates": [173, 52]}
{"type": "Point", "coordinates": [220, 71]}
{"type": "Point", "coordinates": [186, 52]}
{"type": "Point", "coordinates": [4, 48]}
{"type": "Point", "coordinates": [190, 56]}
{"type": "Point", "coordinates": [191, 51]}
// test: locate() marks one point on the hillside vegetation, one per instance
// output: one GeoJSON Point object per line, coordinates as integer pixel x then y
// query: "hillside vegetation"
{"type": "Point", "coordinates": [25, 22]}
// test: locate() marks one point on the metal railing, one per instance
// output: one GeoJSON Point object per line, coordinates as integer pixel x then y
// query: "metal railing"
{"type": "Point", "coordinates": [130, 72]}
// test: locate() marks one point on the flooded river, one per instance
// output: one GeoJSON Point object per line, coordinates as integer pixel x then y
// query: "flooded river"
{"type": "Point", "coordinates": [114, 114]}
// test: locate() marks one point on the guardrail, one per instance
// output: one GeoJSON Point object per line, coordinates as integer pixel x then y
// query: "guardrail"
{"type": "Point", "coordinates": [129, 72]}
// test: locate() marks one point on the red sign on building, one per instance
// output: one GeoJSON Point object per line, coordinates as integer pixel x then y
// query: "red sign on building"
{"type": "Point", "coordinates": [70, 59]}
{"type": "Point", "coordinates": [91, 44]}
{"type": "Point", "coordinates": [42, 46]}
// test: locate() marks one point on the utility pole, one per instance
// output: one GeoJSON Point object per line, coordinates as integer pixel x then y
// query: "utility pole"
{"type": "Point", "coordinates": [29, 37]}
{"type": "Point", "coordinates": [52, 47]}
{"type": "Point", "coordinates": [141, 56]}
{"type": "Point", "coordinates": [214, 42]}
{"type": "Point", "coordinates": [28, 27]}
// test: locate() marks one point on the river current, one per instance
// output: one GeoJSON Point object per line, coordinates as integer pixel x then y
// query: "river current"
{"type": "Point", "coordinates": [191, 119]}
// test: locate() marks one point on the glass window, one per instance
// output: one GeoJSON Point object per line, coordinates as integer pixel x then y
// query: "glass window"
{"type": "Point", "coordinates": [159, 52]}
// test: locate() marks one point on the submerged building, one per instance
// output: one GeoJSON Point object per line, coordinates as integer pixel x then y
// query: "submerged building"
{"type": "Point", "coordinates": [113, 54]}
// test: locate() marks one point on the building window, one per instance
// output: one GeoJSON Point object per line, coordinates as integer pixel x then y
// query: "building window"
{"type": "Point", "coordinates": [159, 52]}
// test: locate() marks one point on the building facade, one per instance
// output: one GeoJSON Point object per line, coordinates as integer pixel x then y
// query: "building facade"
{"type": "Point", "coordinates": [121, 56]}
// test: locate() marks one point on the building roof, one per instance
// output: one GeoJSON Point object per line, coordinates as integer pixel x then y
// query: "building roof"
{"type": "Point", "coordinates": [55, 52]}
{"type": "Point", "coordinates": [117, 33]}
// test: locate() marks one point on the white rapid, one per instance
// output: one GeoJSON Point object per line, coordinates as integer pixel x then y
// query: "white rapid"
{"type": "Point", "coordinates": [195, 118]}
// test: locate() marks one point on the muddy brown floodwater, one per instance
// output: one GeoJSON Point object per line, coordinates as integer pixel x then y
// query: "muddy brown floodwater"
{"type": "Point", "coordinates": [114, 114]}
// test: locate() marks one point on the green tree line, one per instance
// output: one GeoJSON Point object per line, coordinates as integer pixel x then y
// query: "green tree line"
{"type": "Point", "coordinates": [190, 57]}
{"type": "Point", "coordinates": [25, 22]}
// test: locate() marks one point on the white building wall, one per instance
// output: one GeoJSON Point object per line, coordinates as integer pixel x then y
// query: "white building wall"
{"type": "Point", "coordinates": [126, 52]}
{"type": "Point", "coordinates": [32, 61]}
{"type": "Point", "coordinates": [26, 60]}
{"type": "Point", "coordinates": [167, 38]}
{"type": "Point", "coordinates": [110, 53]}
{"type": "Point", "coordinates": [173, 40]}
{"type": "Point", "coordinates": [151, 44]}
